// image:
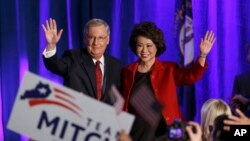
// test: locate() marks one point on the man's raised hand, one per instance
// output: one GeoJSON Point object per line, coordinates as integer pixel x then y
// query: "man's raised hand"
{"type": "Point", "coordinates": [51, 34]}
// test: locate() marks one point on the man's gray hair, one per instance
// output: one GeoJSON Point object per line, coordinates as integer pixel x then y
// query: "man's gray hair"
{"type": "Point", "coordinates": [96, 22]}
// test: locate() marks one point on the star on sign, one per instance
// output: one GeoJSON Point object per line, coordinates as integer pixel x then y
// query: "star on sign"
{"type": "Point", "coordinates": [42, 91]}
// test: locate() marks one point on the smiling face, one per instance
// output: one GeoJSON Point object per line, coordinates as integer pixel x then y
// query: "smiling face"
{"type": "Point", "coordinates": [96, 40]}
{"type": "Point", "coordinates": [145, 49]}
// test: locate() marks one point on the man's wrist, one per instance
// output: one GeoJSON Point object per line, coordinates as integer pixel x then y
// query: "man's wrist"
{"type": "Point", "coordinates": [50, 47]}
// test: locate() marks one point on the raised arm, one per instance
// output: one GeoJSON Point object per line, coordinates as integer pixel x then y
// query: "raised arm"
{"type": "Point", "coordinates": [205, 46]}
{"type": "Point", "coordinates": [51, 34]}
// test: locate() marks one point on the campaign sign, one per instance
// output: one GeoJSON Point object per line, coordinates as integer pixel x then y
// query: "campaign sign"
{"type": "Point", "coordinates": [47, 111]}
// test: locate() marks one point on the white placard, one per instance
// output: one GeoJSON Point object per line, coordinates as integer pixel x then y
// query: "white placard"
{"type": "Point", "coordinates": [46, 111]}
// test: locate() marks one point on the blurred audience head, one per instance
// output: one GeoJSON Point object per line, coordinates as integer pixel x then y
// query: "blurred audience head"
{"type": "Point", "coordinates": [211, 109]}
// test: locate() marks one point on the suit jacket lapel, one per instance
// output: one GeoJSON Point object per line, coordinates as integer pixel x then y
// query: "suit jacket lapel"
{"type": "Point", "coordinates": [106, 80]}
{"type": "Point", "coordinates": [89, 66]}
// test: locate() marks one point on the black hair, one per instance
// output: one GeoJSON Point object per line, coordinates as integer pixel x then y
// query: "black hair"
{"type": "Point", "coordinates": [151, 31]}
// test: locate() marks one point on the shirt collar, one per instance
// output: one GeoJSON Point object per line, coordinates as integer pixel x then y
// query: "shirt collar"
{"type": "Point", "coordinates": [101, 60]}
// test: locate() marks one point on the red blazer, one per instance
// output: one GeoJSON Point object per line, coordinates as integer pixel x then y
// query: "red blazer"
{"type": "Point", "coordinates": [164, 77]}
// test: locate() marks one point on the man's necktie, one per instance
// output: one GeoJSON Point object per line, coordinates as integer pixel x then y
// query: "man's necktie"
{"type": "Point", "coordinates": [98, 73]}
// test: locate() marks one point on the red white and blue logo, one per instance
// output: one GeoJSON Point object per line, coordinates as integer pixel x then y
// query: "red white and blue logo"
{"type": "Point", "coordinates": [43, 95]}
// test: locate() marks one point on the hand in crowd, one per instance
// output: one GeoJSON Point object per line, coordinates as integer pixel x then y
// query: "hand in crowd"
{"type": "Point", "coordinates": [239, 98]}
{"type": "Point", "coordinates": [207, 43]}
{"type": "Point", "coordinates": [194, 136]}
{"type": "Point", "coordinates": [124, 136]}
{"type": "Point", "coordinates": [241, 120]}
{"type": "Point", "coordinates": [51, 34]}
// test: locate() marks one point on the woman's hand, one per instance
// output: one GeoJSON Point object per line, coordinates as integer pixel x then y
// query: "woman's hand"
{"type": "Point", "coordinates": [207, 43]}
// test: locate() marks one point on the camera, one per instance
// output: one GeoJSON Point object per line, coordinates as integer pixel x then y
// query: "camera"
{"type": "Point", "coordinates": [177, 131]}
{"type": "Point", "coordinates": [219, 134]}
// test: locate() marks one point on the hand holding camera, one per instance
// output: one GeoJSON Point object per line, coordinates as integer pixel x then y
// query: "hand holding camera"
{"type": "Point", "coordinates": [184, 131]}
{"type": "Point", "coordinates": [240, 102]}
{"type": "Point", "coordinates": [194, 136]}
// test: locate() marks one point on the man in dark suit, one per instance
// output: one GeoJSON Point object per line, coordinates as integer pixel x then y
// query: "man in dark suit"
{"type": "Point", "coordinates": [241, 90]}
{"type": "Point", "coordinates": [87, 70]}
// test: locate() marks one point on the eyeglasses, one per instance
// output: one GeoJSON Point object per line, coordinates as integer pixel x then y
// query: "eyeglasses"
{"type": "Point", "coordinates": [98, 39]}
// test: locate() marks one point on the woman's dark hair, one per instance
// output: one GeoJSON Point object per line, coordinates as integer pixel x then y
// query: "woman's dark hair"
{"type": "Point", "coordinates": [151, 31]}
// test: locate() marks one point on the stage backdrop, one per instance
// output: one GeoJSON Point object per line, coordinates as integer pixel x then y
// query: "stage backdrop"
{"type": "Point", "coordinates": [22, 40]}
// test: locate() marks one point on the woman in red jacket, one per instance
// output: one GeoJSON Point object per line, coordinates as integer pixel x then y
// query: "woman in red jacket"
{"type": "Point", "coordinates": [162, 78]}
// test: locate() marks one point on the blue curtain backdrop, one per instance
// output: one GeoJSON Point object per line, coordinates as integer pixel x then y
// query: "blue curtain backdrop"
{"type": "Point", "coordinates": [22, 40]}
